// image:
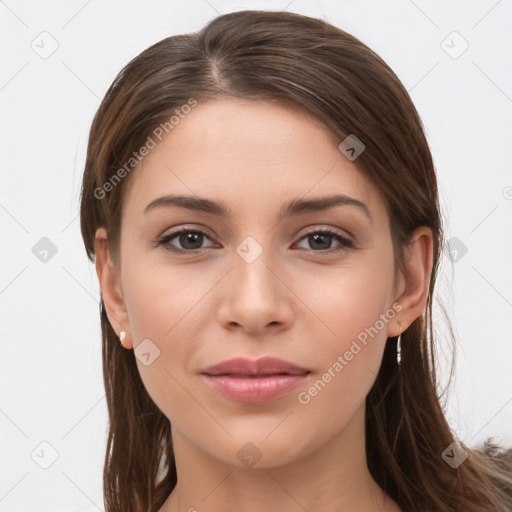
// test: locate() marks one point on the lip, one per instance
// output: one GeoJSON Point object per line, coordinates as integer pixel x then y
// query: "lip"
{"type": "Point", "coordinates": [262, 366]}
{"type": "Point", "coordinates": [260, 381]}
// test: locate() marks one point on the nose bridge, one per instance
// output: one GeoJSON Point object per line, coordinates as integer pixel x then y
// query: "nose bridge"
{"type": "Point", "coordinates": [254, 296]}
{"type": "Point", "coordinates": [252, 275]}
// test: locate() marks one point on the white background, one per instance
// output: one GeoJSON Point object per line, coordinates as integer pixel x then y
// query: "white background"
{"type": "Point", "coordinates": [51, 386]}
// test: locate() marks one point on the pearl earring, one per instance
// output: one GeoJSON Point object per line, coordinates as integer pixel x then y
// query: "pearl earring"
{"type": "Point", "coordinates": [122, 336]}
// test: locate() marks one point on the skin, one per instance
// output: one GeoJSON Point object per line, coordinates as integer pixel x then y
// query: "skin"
{"type": "Point", "coordinates": [305, 307]}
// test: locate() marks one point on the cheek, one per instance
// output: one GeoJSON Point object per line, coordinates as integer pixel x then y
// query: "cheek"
{"type": "Point", "coordinates": [161, 299]}
{"type": "Point", "coordinates": [347, 300]}
{"type": "Point", "coordinates": [167, 308]}
{"type": "Point", "coordinates": [353, 310]}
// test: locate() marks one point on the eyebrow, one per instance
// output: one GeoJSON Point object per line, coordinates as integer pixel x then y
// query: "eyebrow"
{"type": "Point", "coordinates": [295, 207]}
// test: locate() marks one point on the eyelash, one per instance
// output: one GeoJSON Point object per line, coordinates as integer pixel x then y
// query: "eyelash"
{"type": "Point", "coordinates": [345, 243]}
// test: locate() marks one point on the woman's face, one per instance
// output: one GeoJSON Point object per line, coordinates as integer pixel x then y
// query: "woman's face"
{"type": "Point", "coordinates": [256, 282]}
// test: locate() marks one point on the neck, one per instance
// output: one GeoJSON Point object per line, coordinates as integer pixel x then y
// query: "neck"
{"type": "Point", "coordinates": [333, 476]}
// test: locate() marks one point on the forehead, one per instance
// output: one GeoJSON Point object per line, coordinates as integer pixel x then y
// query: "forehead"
{"type": "Point", "coordinates": [247, 151]}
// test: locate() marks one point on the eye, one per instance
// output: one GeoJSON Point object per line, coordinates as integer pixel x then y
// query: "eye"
{"type": "Point", "coordinates": [321, 241]}
{"type": "Point", "coordinates": [189, 239]}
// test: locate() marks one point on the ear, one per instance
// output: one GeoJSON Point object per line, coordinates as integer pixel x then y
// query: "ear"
{"type": "Point", "coordinates": [111, 292]}
{"type": "Point", "coordinates": [416, 280]}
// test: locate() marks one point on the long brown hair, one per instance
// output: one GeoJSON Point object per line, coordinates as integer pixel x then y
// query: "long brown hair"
{"type": "Point", "coordinates": [305, 61]}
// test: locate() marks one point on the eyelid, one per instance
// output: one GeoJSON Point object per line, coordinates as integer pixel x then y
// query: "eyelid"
{"type": "Point", "coordinates": [329, 230]}
{"type": "Point", "coordinates": [184, 227]}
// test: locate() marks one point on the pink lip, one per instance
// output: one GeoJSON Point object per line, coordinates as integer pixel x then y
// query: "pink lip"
{"type": "Point", "coordinates": [254, 382]}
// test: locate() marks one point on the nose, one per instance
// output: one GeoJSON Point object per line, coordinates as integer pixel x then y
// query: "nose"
{"type": "Point", "coordinates": [255, 297]}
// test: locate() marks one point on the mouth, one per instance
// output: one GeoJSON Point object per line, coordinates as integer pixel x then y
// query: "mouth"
{"type": "Point", "coordinates": [255, 382]}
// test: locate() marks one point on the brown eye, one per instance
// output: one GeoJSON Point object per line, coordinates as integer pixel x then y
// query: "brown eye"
{"type": "Point", "coordinates": [188, 240]}
{"type": "Point", "coordinates": [191, 240]}
{"type": "Point", "coordinates": [322, 240]}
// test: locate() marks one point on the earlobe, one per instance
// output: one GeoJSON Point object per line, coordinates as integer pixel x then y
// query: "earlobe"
{"type": "Point", "coordinates": [111, 287]}
{"type": "Point", "coordinates": [418, 262]}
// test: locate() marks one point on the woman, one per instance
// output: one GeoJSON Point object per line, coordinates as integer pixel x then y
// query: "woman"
{"type": "Point", "coordinates": [261, 205]}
